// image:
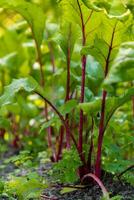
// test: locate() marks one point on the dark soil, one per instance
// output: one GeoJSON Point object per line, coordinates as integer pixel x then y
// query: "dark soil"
{"type": "Point", "coordinates": [7, 168]}
{"type": "Point", "coordinates": [92, 192]}
{"type": "Point", "coordinates": [113, 185]}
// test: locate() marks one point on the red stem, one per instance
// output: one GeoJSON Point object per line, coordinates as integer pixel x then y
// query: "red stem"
{"type": "Point", "coordinates": [102, 119]}
{"type": "Point", "coordinates": [100, 138]}
{"type": "Point", "coordinates": [68, 136]}
{"type": "Point", "coordinates": [89, 162]}
{"type": "Point", "coordinates": [80, 145]}
{"type": "Point", "coordinates": [2, 133]}
{"type": "Point", "coordinates": [68, 76]}
{"type": "Point", "coordinates": [50, 145]}
{"type": "Point", "coordinates": [60, 143]}
{"type": "Point", "coordinates": [99, 182]}
{"type": "Point", "coordinates": [80, 142]}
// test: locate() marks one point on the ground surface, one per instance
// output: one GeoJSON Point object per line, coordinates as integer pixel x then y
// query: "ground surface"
{"type": "Point", "coordinates": [94, 192]}
{"type": "Point", "coordinates": [115, 187]}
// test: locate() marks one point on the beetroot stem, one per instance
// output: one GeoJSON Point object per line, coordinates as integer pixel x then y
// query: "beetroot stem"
{"type": "Point", "coordinates": [103, 108]}
{"type": "Point", "coordinates": [67, 98]}
{"type": "Point", "coordinates": [83, 60]}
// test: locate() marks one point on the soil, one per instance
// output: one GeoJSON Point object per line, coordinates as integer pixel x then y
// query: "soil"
{"type": "Point", "coordinates": [7, 168]}
{"type": "Point", "coordinates": [92, 192]}
{"type": "Point", "coordinates": [112, 184]}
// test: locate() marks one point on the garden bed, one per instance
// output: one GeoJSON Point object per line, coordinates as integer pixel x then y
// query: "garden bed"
{"type": "Point", "coordinates": [116, 188]}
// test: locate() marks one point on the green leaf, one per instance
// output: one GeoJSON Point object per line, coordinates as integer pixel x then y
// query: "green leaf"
{"type": "Point", "coordinates": [130, 5]}
{"type": "Point", "coordinates": [52, 122]}
{"type": "Point", "coordinates": [65, 170]}
{"type": "Point", "coordinates": [27, 109]}
{"type": "Point", "coordinates": [72, 7]}
{"type": "Point", "coordinates": [92, 107]}
{"type": "Point", "coordinates": [95, 74]}
{"type": "Point", "coordinates": [93, 69]}
{"type": "Point", "coordinates": [32, 13]}
{"type": "Point", "coordinates": [67, 37]}
{"type": "Point", "coordinates": [13, 108]}
{"type": "Point", "coordinates": [68, 106]}
{"type": "Point", "coordinates": [4, 123]}
{"type": "Point", "coordinates": [8, 60]}
{"type": "Point", "coordinates": [122, 69]}
{"type": "Point", "coordinates": [88, 94]}
{"type": "Point", "coordinates": [117, 197]}
{"type": "Point", "coordinates": [112, 8]}
{"type": "Point", "coordinates": [105, 44]}
{"type": "Point", "coordinates": [98, 50]}
{"type": "Point", "coordinates": [67, 190]}
{"type": "Point", "coordinates": [46, 125]}
{"type": "Point", "coordinates": [27, 84]}
{"type": "Point", "coordinates": [112, 104]}
{"type": "Point", "coordinates": [1, 186]}
{"type": "Point", "coordinates": [24, 187]}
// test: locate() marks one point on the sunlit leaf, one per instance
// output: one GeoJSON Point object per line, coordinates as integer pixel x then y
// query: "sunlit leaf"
{"type": "Point", "coordinates": [67, 190]}
{"type": "Point", "coordinates": [27, 84]}
{"type": "Point", "coordinates": [122, 69]}
{"type": "Point", "coordinates": [32, 13]}
{"type": "Point", "coordinates": [68, 106]}
{"type": "Point", "coordinates": [112, 104]}
{"type": "Point", "coordinates": [112, 8]}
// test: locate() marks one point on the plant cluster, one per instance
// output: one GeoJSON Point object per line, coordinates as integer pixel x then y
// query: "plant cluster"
{"type": "Point", "coordinates": [26, 187]}
{"type": "Point", "coordinates": [70, 76]}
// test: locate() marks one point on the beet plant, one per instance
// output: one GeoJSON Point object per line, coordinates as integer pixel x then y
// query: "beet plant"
{"type": "Point", "coordinates": [85, 62]}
